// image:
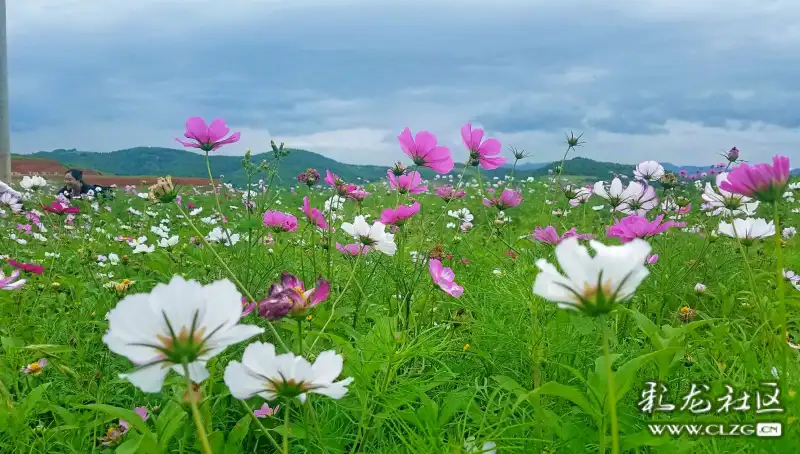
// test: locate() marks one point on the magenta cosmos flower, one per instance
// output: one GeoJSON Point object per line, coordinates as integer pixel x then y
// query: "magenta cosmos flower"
{"type": "Point", "coordinates": [410, 183]}
{"type": "Point", "coordinates": [313, 215]}
{"type": "Point", "coordinates": [290, 297]}
{"type": "Point", "coordinates": [425, 151]}
{"type": "Point", "coordinates": [631, 227]}
{"type": "Point", "coordinates": [444, 277]}
{"type": "Point", "coordinates": [279, 221]}
{"type": "Point", "coordinates": [60, 208]}
{"type": "Point", "coordinates": [357, 194]}
{"type": "Point", "coordinates": [483, 153]}
{"type": "Point", "coordinates": [207, 137]}
{"type": "Point", "coordinates": [549, 235]}
{"type": "Point", "coordinates": [399, 215]}
{"type": "Point", "coordinates": [29, 267]}
{"type": "Point", "coordinates": [447, 193]}
{"type": "Point", "coordinates": [508, 199]}
{"type": "Point", "coordinates": [762, 181]}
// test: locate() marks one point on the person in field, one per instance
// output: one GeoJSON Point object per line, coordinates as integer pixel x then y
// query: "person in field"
{"type": "Point", "coordinates": [74, 186]}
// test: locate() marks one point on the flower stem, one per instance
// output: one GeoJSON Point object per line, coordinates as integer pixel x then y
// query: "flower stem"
{"type": "Point", "coordinates": [198, 420]}
{"type": "Point", "coordinates": [286, 428]}
{"type": "Point", "coordinates": [300, 336]}
{"type": "Point", "coordinates": [261, 427]}
{"type": "Point", "coordinates": [781, 300]}
{"type": "Point", "coordinates": [612, 398]}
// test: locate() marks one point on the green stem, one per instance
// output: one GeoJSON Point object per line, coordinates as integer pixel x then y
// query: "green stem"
{"type": "Point", "coordinates": [286, 428]}
{"type": "Point", "coordinates": [198, 420]}
{"type": "Point", "coordinates": [612, 398]}
{"type": "Point", "coordinates": [333, 306]}
{"type": "Point", "coordinates": [781, 299]}
{"type": "Point", "coordinates": [300, 336]}
{"type": "Point", "coordinates": [230, 273]}
{"type": "Point", "coordinates": [261, 427]}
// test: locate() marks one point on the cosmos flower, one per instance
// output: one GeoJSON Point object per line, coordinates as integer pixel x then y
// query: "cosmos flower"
{"type": "Point", "coordinates": [399, 215]}
{"type": "Point", "coordinates": [290, 297]}
{"type": "Point", "coordinates": [548, 235]}
{"type": "Point", "coordinates": [410, 183]}
{"type": "Point", "coordinates": [748, 229]}
{"type": "Point", "coordinates": [509, 198]}
{"type": "Point", "coordinates": [444, 277]}
{"type": "Point", "coordinates": [176, 323]}
{"type": "Point", "coordinates": [483, 152]}
{"type": "Point", "coordinates": [592, 284]}
{"type": "Point", "coordinates": [425, 151]}
{"type": "Point", "coordinates": [649, 171]}
{"type": "Point", "coordinates": [763, 182]}
{"type": "Point", "coordinates": [207, 137]}
{"type": "Point", "coordinates": [373, 236]}
{"type": "Point", "coordinates": [279, 221]}
{"type": "Point", "coordinates": [264, 373]}
{"type": "Point", "coordinates": [631, 227]}
{"type": "Point", "coordinates": [726, 203]}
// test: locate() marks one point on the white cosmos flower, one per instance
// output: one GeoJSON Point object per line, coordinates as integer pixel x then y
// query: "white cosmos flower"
{"type": "Point", "coordinates": [6, 189]}
{"type": "Point", "coordinates": [729, 204]}
{"type": "Point", "coordinates": [642, 199]}
{"type": "Point", "coordinates": [33, 183]}
{"type": "Point", "coordinates": [373, 236]}
{"type": "Point", "coordinates": [462, 215]}
{"type": "Point", "coordinates": [10, 200]}
{"type": "Point", "coordinates": [218, 235]}
{"type": "Point", "coordinates": [747, 229]}
{"type": "Point", "coordinates": [648, 170]}
{"type": "Point", "coordinates": [592, 284]}
{"type": "Point", "coordinates": [488, 448]}
{"type": "Point", "coordinates": [616, 194]}
{"type": "Point", "coordinates": [168, 242]}
{"type": "Point", "coordinates": [182, 321]}
{"type": "Point", "coordinates": [143, 249]}
{"type": "Point", "coordinates": [268, 375]}
{"type": "Point", "coordinates": [788, 232]}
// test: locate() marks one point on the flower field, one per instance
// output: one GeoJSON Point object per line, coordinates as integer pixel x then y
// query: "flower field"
{"type": "Point", "coordinates": [652, 312]}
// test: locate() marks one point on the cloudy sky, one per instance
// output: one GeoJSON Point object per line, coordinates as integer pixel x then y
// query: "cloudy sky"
{"type": "Point", "coordinates": [673, 80]}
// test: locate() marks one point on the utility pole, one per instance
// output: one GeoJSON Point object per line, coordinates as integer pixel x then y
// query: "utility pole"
{"type": "Point", "coordinates": [5, 127]}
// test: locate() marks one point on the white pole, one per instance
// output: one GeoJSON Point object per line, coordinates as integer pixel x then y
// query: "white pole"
{"type": "Point", "coordinates": [5, 133]}
{"type": "Point", "coordinates": [5, 130]}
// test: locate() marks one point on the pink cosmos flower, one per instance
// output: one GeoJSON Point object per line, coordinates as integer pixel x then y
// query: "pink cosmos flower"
{"type": "Point", "coordinates": [631, 227]}
{"type": "Point", "coordinates": [207, 137]}
{"type": "Point", "coordinates": [352, 250]}
{"type": "Point", "coordinates": [409, 183]}
{"type": "Point", "coordinates": [508, 199]}
{"type": "Point", "coordinates": [651, 259]}
{"type": "Point", "coordinates": [548, 235]}
{"type": "Point", "coordinates": [483, 153]}
{"type": "Point", "coordinates": [280, 222]}
{"type": "Point", "coordinates": [12, 282]}
{"type": "Point", "coordinates": [358, 194]}
{"type": "Point", "coordinates": [247, 307]}
{"type": "Point", "coordinates": [444, 277]}
{"type": "Point", "coordinates": [25, 228]}
{"type": "Point", "coordinates": [313, 215]}
{"type": "Point", "coordinates": [290, 297]}
{"type": "Point", "coordinates": [762, 181]}
{"type": "Point", "coordinates": [141, 411]}
{"type": "Point", "coordinates": [447, 192]}
{"type": "Point", "coordinates": [425, 151]}
{"type": "Point", "coordinates": [399, 215]}
{"type": "Point", "coordinates": [29, 267]}
{"type": "Point", "coordinates": [58, 207]}
{"type": "Point", "coordinates": [265, 411]}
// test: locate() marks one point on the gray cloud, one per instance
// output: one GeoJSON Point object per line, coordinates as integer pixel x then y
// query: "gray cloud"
{"type": "Point", "coordinates": [343, 78]}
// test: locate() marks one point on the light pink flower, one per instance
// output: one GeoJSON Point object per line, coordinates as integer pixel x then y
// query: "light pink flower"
{"type": "Point", "coordinates": [631, 227]}
{"type": "Point", "coordinates": [483, 152]}
{"type": "Point", "coordinates": [549, 235]}
{"type": "Point", "coordinates": [444, 278]}
{"type": "Point", "coordinates": [141, 411]}
{"type": "Point", "coordinates": [399, 215]}
{"type": "Point", "coordinates": [447, 192]}
{"type": "Point", "coordinates": [12, 282]}
{"type": "Point", "coordinates": [265, 411]}
{"type": "Point", "coordinates": [279, 221]}
{"type": "Point", "coordinates": [408, 183]}
{"type": "Point", "coordinates": [651, 259]}
{"type": "Point", "coordinates": [352, 250]}
{"type": "Point", "coordinates": [207, 137]}
{"type": "Point", "coordinates": [425, 151]}
{"type": "Point", "coordinates": [763, 181]}
{"type": "Point", "coordinates": [508, 199]}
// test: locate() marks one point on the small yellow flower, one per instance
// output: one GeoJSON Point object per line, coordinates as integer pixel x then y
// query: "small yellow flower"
{"type": "Point", "coordinates": [55, 285]}
{"type": "Point", "coordinates": [466, 347]}
{"type": "Point", "coordinates": [309, 318]}
{"type": "Point", "coordinates": [792, 393]}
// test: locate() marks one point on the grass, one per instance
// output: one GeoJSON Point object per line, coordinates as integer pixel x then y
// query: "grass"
{"type": "Point", "coordinates": [498, 364]}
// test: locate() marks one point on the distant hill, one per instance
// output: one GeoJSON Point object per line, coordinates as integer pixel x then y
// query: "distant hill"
{"type": "Point", "coordinates": [154, 161]}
